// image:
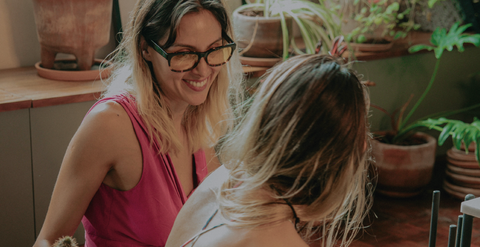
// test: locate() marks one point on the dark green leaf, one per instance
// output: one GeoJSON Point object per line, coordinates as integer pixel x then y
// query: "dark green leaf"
{"type": "Point", "coordinates": [472, 39]}
{"type": "Point", "coordinates": [431, 3]}
{"type": "Point", "coordinates": [398, 35]}
{"type": "Point", "coordinates": [477, 150]}
{"type": "Point", "coordinates": [416, 48]}
{"type": "Point", "coordinates": [361, 38]}
{"type": "Point", "coordinates": [445, 133]}
{"type": "Point", "coordinates": [437, 35]}
{"type": "Point", "coordinates": [457, 135]}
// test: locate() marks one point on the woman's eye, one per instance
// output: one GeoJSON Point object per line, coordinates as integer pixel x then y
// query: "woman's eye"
{"type": "Point", "coordinates": [214, 46]}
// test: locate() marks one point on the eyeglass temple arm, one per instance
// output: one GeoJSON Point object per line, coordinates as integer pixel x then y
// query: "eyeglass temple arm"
{"type": "Point", "coordinates": [159, 49]}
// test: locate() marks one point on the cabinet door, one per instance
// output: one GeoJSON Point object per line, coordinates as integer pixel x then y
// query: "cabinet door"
{"type": "Point", "coordinates": [52, 129]}
{"type": "Point", "coordinates": [16, 193]}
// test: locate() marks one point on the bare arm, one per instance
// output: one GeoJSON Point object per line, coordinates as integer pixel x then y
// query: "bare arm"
{"type": "Point", "coordinates": [92, 153]}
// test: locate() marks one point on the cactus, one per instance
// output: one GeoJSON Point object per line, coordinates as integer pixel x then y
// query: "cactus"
{"type": "Point", "coordinates": [65, 241]}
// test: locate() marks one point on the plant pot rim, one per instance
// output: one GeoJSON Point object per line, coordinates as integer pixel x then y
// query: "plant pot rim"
{"type": "Point", "coordinates": [236, 12]}
{"type": "Point", "coordinates": [69, 75]}
{"type": "Point", "coordinates": [430, 140]}
{"type": "Point", "coordinates": [370, 46]}
{"type": "Point", "coordinates": [259, 61]}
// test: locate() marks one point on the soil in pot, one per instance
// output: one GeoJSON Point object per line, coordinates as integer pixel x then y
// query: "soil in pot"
{"type": "Point", "coordinates": [410, 141]}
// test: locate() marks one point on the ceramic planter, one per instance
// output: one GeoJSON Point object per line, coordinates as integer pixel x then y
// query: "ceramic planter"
{"type": "Point", "coordinates": [404, 171]}
{"type": "Point", "coordinates": [268, 39]}
{"type": "Point", "coordinates": [72, 27]}
{"type": "Point", "coordinates": [462, 173]}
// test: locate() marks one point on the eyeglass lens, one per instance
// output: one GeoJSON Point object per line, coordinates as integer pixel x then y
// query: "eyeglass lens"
{"type": "Point", "coordinates": [214, 58]}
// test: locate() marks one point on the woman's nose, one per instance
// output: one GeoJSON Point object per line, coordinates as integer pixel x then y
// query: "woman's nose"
{"type": "Point", "coordinates": [202, 69]}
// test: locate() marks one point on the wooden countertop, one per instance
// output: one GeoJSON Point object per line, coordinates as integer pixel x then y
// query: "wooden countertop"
{"type": "Point", "coordinates": [22, 88]}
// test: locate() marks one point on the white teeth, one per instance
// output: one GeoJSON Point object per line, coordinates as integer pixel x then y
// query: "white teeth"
{"type": "Point", "coordinates": [197, 84]}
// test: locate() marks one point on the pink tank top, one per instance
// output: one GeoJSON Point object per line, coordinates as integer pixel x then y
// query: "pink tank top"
{"type": "Point", "coordinates": [144, 215]}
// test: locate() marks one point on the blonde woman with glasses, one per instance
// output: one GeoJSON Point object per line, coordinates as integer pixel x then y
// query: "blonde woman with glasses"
{"type": "Point", "coordinates": [295, 168]}
{"type": "Point", "coordinates": [148, 143]}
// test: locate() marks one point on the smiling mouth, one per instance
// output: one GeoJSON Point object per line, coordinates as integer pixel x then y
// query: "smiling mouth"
{"type": "Point", "coordinates": [197, 84]}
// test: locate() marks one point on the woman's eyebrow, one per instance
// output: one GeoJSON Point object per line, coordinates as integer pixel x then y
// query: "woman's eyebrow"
{"type": "Point", "coordinates": [189, 46]}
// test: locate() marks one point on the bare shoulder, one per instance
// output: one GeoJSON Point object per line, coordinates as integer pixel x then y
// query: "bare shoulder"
{"type": "Point", "coordinates": [106, 113]}
{"type": "Point", "coordinates": [106, 122]}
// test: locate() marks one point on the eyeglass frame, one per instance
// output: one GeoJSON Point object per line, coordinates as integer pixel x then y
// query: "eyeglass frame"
{"type": "Point", "coordinates": [169, 56]}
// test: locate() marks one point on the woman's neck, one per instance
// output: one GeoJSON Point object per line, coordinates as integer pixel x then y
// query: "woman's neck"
{"type": "Point", "coordinates": [178, 113]}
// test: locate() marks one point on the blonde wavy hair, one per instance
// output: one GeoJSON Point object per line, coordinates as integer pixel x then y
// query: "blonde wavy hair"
{"type": "Point", "coordinates": [304, 140]}
{"type": "Point", "coordinates": [205, 123]}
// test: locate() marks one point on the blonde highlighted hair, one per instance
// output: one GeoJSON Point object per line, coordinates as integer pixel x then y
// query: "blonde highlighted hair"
{"type": "Point", "coordinates": [205, 123]}
{"type": "Point", "coordinates": [305, 140]}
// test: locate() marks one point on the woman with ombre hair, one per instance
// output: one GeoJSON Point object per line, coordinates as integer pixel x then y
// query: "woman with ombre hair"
{"type": "Point", "coordinates": [296, 166]}
{"type": "Point", "coordinates": [149, 141]}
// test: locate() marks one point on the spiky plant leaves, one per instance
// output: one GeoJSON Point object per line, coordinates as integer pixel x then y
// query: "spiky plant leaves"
{"type": "Point", "coordinates": [458, 130]}
{"type": "Point", "coordinates": [66, 241]}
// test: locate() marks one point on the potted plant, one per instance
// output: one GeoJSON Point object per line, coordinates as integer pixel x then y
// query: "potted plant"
{"type": "Point", "coordinates": [372, 25]}
{"type": "Point", "coordinates": [395, 150]}
{"type": "Point", "coordinates": [72, 27]}
{"type": "Point", "coordinates": [263, 28]}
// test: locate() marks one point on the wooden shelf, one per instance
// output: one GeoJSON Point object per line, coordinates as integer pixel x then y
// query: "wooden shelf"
{"type": "Point", "coordinates": [400, 48]}
{"type": "Point", "coordinates": [22, 88]}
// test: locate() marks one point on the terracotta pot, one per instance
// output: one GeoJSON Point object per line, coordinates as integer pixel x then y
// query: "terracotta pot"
{"type": "Point", "coordinates": [369, 47]}
{"type": "Point", "coordinates": [72, 27]}
{"type": "Point", "coordinates": [268, 39]}
{"type": "Point", "coordinates": [404, 171]}
{"type": "Point", "coordinates": [462, 173]}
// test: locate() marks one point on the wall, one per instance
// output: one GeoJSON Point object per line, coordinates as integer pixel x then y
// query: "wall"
{"type": "Point", "coordinates": [397, 78]}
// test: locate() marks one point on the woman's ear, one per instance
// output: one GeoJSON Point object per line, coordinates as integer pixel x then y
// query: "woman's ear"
{"type": "Point", "coordinates": [145, 49]}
